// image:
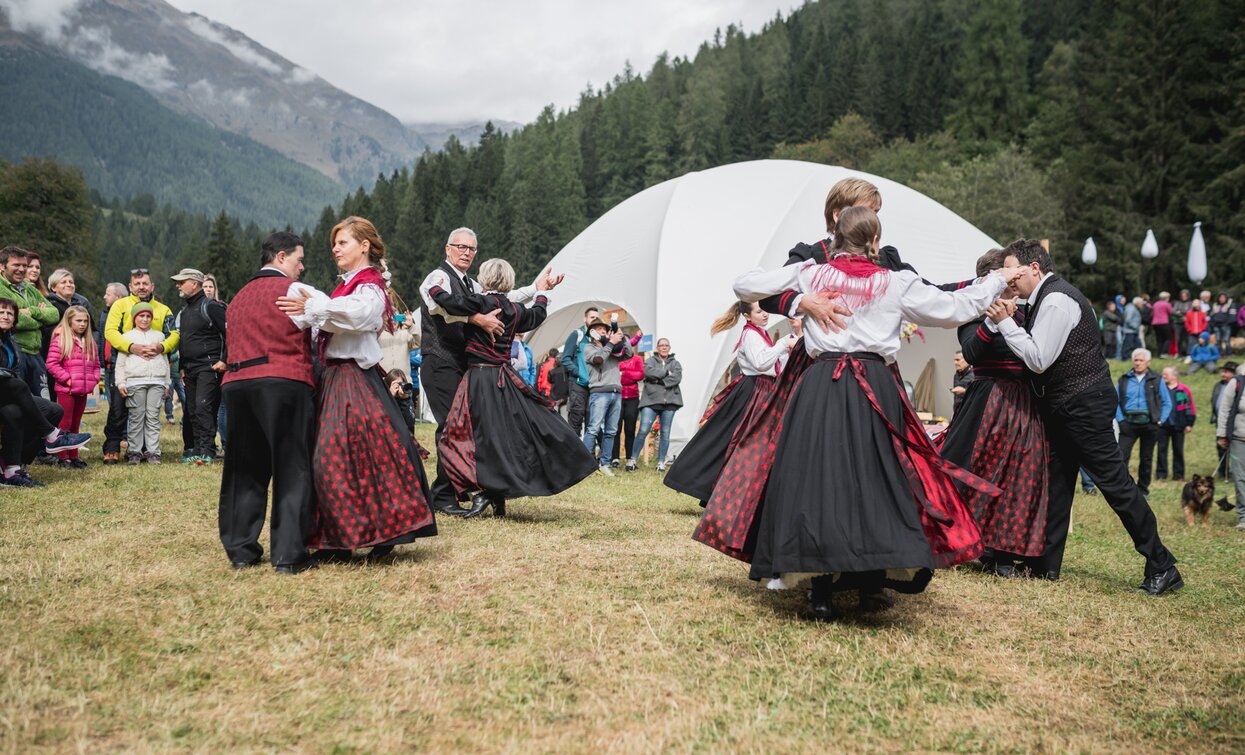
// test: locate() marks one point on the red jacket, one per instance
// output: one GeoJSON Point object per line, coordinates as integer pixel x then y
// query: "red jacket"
{"type": "Point", "coordinates": [632, 371]}
{"type": "Point", "coordinates": [75, 374]}
{"type": "Point", "coordinates": [1195, 321]}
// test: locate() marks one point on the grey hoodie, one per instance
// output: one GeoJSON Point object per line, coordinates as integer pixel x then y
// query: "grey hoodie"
{"type": "Point", "coordinates": [602, 361]}
{"type": "Point", "coordinates": [1225, 410]}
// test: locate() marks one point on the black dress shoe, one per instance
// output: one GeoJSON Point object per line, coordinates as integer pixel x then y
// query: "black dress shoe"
{"type": "Point", "coordinates": [499, 508]}
{"type": "Point", "coordinates": [874, 600]}
{"type": "Point", "coordinates": [822, 609]}
{"type": "Point", "coordinates": [479, 502]}
{"type": "Point", "coordinates": [246, 564]}
{"type": "Point", "coordinates": [295, 568]}
{"type": "Point", "coordinates": [1162, 582]}
{"type": "Point", "coordinates": [379, 552]}
{"type": "Point", "coordinates": [450, 509]}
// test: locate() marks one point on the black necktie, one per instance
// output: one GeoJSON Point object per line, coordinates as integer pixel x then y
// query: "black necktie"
{"type": "Point", "coordinates": [467, 285]}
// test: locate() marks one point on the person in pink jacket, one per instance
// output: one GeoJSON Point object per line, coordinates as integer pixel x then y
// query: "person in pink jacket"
{"type": "Point", "coordinates": [73, 362]}
{"type": "Point", "coordinates": [632, 373]}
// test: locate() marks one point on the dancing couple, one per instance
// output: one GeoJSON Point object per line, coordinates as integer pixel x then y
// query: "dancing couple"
{"type": "Point", "coordinates": [340, 442]}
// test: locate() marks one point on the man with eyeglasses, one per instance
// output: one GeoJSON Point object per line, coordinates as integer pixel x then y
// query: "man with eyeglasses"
{"type": "Point", "coordinates": [120, 321]}
{"type": "Point", "coordinates": [444, 344]}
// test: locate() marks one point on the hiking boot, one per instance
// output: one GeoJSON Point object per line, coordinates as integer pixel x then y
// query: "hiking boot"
{"type": "Point", "coordinates": [134, 459]}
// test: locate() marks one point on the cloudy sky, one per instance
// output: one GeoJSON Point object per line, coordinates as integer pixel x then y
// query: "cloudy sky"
{"type": "Point", "coordinates": [455, 60]}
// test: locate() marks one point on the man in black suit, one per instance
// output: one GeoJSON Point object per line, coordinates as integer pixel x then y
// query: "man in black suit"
{"type": "Point", "coordinates": [1059, 343]}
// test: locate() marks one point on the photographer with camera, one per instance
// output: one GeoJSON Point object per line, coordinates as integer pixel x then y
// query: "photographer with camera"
{"type": "Point", "coordinates": [603, 350]}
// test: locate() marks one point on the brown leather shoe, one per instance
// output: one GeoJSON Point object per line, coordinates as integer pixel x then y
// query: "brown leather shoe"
{"type": "Point", "coordinates": [112, 457]}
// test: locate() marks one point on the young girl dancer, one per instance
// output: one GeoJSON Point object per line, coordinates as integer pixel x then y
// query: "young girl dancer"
{"type": "Point", "coordinates": [369, 477]}
{"type": "Point", "coordinates": [73, 364]}
{"type": "Point", "coordinates": [502, 439]}
{"type": "Point", "coordinates": [997, 434]}
{"type": "Point", "coordinates": [759, 361]}
{"type": "Point", "coordinates": [857, 497]}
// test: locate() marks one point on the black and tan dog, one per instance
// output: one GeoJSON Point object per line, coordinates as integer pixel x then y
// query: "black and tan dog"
{"type": "Point", "coordinates": [1197, 497]}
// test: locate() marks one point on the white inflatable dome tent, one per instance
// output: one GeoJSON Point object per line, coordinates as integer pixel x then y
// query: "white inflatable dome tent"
{"type": "Point", "coordinates": [670, 254]}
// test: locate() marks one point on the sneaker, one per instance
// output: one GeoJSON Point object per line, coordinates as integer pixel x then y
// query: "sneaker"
{"type": "Point", "coordinates": [661, 466]}
{"type": "Point", "coordinates": [152, 458]}
{"type": "Point", "coordinates": [201, 460]}
{"type": "Point", "coordinates": [77, 464]}
{"type": "Point", "coordinates": [47, 459]}
{"type": "Point", "coordinates": [192, 459]}
{"type": "Point", "coordinates": [134, 459]}
{"type": "Point", "coordinates": [614, 464]}
{"type": "Point", "coordinates": [67, 442]}
{"type": "Point", "coordinates": [605, 471]}
{"type": "Point", "coordinates": [1240, 526]}
{"type": "Point", "coordinates": [630, 465]}
{"type": "Point", "coordinates": [172, 421]}
{"type": "Point", "coordinates": [20, 480]}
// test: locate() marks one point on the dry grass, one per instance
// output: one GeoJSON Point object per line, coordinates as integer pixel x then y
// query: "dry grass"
{"type": "Point", "coordinates": [587, 622]}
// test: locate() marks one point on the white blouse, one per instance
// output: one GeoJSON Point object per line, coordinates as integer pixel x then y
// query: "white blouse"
{"type": "Point", "coordinates": [355, 320]}
{"type": "Point", "coordinates": [756, 357]}
{"type": "Point", "coordinates": [875, 326]}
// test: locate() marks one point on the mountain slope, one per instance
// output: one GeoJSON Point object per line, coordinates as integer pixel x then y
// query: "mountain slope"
{"type": "Point", "coordinates": [208, 70]}
{"type": "Point", "coordinates": [127, 143]}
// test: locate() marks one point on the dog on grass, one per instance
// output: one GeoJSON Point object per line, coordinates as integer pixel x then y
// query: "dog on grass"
{"type": "Point", "coordinates": [1197, 497]}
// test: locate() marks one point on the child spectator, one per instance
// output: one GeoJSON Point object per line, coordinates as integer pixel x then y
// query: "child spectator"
{"type": "Point", "coordinates": [1204, 355]}
{"type": "Point", "coordinates": [144, 383]}
{"type": "Point", "coordinates": [73, 364]}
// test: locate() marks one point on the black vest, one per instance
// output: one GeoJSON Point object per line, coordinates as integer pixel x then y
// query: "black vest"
{"type": "Point", "coordinates": [1080, 365]}
{"type": "Point", "coordinates": [446, 341]}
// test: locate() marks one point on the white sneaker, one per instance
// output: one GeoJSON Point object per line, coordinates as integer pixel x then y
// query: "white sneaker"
{"type": "Point", "coordinates": [1241, 526]}
{"type": "Point", "coordinates": [661, 466]}
{"type": "Point", "coordinates": [605, 471]}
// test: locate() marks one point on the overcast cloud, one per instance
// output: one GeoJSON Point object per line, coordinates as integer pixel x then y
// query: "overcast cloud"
{"type": "Point", "coordinates": [460, 60]}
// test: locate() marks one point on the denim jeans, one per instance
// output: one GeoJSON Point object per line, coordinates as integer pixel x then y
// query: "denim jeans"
{"type": "Point", "coordinates": [647, 416]}
{"type": "Point", "coordinates": [603, 412]}
{"type": "Point", "coordinates": [1223, 334]}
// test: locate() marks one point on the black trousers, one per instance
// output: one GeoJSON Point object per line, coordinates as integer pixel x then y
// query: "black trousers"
{"type": "Point", "coordinates": [1163, 335]}
{"type": "Point", "coordinates": [25, 420]}
{"type": "Point", "coordinates": [274, 428]}
{"type": "Point", "coordinates": [440, 380]}
{"type": "Point", "coordinates": [1080, 434]}
{"type": "Point", "coordinates": [118, 416]}
{"type": "Point", "coordinates": [199, 413]}
{"type": "Point", "coordinates": [627, 426]}
{"type": "Point", "coordinates": [577, 406]}
{"type": "Point", "coordinates": [1175, 436]}
{"type": "Point", "coordinates": [1148, 435]}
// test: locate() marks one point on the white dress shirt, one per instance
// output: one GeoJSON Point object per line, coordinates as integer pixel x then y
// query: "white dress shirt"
{"type": "Point", "coordinates": [1042, 344]}
{"type": "Point", "coordinates": [440, 278]}
{"type": "Point", "coordinates": [355, 320]}
{"type": "Point", "coordinates": [758, 358]}
{"type": "Point", "coordinates": [875, 326]}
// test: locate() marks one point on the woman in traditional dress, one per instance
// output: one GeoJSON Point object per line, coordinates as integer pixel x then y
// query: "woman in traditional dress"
{"type": "Point", "coordinates": [759, 360]}
{"type": "Point", "coordinates": [368, 472]}
{"type": "Point", "coordinates": [858, 498]}
{"type": "Point", "coordinates": [997, 434]}
{"type": "Point", "coordinates": [502, 439]}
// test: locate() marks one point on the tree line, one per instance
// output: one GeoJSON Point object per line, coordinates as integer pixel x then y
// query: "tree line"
{"type": "Point", "coordinates": [1061, 120]}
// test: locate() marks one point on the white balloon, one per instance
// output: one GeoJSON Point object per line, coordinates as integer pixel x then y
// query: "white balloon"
{"type": "Point", "coordinates": [1089, 254]}
{"type": "Point", "coordinates": [1197, 254]}
{"type": "Point", "coordinates": [1150, 247]}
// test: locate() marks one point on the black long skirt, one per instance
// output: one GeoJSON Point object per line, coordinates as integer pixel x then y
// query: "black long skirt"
{"type": "Point", "coordinates": [838, 500]}
{"type": "Point", "coordinates": [503, 438]}
{"type": "Point", "coordinates": [702, 458]}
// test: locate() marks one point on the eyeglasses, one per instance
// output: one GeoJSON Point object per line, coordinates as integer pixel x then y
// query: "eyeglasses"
{"type": "Point", "coordinates": [139, 271]}
{"type": "Point", "coordinates": [463, 247]}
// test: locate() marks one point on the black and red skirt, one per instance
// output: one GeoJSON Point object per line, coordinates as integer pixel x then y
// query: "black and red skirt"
{"type": "Point", "coordinates": [856, 485]}
{"type": "Point", "coordinates": [369, 477]}
{"type": "Point", "coordinates": [505, 439]}
{"type": "Point", "coordinates": [998, 434]}
{"type": "Point", "coordinates": [702, 458]}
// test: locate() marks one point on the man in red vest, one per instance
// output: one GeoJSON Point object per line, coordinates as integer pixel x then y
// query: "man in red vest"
{"type": "Point", "coordinates": [268, 391]}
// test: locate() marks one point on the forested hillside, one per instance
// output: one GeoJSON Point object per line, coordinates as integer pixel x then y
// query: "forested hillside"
{"type": "Point", "coordinates": [126, 144]}
{"type": "Point", "coordinates": [1062, 120]}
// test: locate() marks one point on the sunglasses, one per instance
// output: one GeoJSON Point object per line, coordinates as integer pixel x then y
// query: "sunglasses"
{"type": "Point", "coordinates": [139, 271]}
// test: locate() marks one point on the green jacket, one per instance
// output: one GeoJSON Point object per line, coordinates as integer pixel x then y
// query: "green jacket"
{"type": "Point", "coordinates": [27, 330]}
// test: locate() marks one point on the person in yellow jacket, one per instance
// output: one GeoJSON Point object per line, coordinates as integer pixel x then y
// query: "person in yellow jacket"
{"type": "Point", "coordinates": [119, 322]}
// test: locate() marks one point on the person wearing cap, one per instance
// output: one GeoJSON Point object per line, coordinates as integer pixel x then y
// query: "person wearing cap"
{"type": "Point", "coordinates": [120, 321]}
{"type": "Point", "coordinates": [603, 350]}
{"type": "Point", "coordinates": [143, 382]}
{"type": "Point", "coordinates": [201, 325]}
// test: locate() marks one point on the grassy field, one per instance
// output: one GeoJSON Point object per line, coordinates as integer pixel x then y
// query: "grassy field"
{"type": "Point", "coordinates": [588, 622]}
